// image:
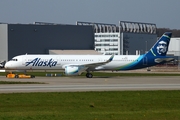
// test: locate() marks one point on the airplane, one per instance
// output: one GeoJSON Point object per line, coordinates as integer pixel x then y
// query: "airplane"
{"type": "Point", "coordinates": [76, 64]}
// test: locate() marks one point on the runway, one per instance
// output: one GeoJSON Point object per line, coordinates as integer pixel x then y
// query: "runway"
{"type": "Point", "coordinates": [74, 84]}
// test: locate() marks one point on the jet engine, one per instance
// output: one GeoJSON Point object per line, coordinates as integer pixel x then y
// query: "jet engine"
{"type": "Point", "coordinates": [73, 70]}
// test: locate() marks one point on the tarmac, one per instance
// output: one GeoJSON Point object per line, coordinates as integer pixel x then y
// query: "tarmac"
{"type": "Point", "coordinates": [79, 83]}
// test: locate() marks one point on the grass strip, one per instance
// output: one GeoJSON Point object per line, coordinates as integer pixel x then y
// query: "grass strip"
{"type": "Point", "coordinates": [117, 105]}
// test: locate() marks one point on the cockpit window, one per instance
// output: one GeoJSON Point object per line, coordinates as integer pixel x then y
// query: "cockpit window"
{"type": "Point", "coordinates": [14, 60]}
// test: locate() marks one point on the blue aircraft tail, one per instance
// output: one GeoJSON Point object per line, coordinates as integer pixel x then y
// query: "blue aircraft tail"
{"type": "Point", "coordinates": [160, 48]}
{"type": "Point", "coordinates": [156, 55]}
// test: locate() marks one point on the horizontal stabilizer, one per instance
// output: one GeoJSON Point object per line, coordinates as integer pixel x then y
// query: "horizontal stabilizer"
{"type": "Point", "coordinates": [159, 60]}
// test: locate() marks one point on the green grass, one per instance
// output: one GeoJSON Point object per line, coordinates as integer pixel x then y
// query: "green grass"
{"type": "Point", "coordinates": [18, 82]}
{"type": "Point", "coordinates": [119, 105]}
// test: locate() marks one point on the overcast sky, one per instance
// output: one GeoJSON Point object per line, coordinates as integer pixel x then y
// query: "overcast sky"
{"type": "Point", "coordinates": [164, 13]}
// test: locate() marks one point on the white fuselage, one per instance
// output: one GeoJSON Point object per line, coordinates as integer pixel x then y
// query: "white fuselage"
{"type": "Point", "coordinates": [57, 62]}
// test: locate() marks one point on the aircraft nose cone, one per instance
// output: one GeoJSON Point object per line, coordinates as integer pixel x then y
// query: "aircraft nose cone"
{"type": "Point", "coordinates": [7, 65]}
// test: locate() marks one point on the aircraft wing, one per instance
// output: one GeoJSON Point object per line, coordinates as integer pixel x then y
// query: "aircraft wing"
{"type": "Point", "coordinates": [90, 66]}
{"type": "Point", "coordinates": [94, 65]}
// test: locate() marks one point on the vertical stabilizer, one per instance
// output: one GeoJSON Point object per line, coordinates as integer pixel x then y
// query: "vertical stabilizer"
{"type": "Point", "coordinates": [160, 48]}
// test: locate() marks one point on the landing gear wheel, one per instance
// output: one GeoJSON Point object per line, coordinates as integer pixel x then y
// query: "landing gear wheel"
{"type": "Point", "coordinates": [89, 75]}
{"type": "Point", "coordinates": [32, 76]}
{"type": "Point", "coordinates": [16, 76]}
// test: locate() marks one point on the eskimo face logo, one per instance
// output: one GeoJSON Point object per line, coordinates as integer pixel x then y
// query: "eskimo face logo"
{"type": "Point", "coordinates": [162, 47]}
{"type": "Point", "coordinates": [40, 62]}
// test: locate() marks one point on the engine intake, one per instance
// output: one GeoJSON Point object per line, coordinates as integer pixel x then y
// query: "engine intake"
{"type": "Point", "coordinates": [73, 70]}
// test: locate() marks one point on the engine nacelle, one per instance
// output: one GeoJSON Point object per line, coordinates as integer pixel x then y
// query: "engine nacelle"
{"type": "Point", "coordinates": [73, 70]}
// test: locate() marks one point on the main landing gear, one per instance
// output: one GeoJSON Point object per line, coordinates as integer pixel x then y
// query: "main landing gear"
{"type": "Point", "coordinates": [89, 75]}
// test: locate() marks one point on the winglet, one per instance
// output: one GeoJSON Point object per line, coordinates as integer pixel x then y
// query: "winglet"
{"type": "Point", "coordinates": [110, 59]}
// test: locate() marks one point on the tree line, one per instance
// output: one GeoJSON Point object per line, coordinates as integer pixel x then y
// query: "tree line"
{"type": "Point", "coordinates": [175, 32]}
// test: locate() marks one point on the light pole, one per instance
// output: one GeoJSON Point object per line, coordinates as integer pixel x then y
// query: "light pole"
{"type": "Point", "coordinates": [146, 46]}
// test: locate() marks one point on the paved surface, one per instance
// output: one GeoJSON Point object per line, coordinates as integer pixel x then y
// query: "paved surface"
{"type": "Point", "coordinates": [71, 84]}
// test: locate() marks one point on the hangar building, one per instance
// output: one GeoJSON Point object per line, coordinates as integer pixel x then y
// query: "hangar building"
{"type": "Point", "coordinates": [39, 38]}
{"type": "Point", "coordinates": [127, 38]}
{"type": "Point", "coordinates": [174, 47]}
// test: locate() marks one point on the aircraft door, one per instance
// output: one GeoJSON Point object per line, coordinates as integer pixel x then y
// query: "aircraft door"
{"type": "Point", "coordinates": [58, 60]}
{"type": "Point", "coordinates": [145, 61]}
{"type": "Point", "coordinates": [24, 60]}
